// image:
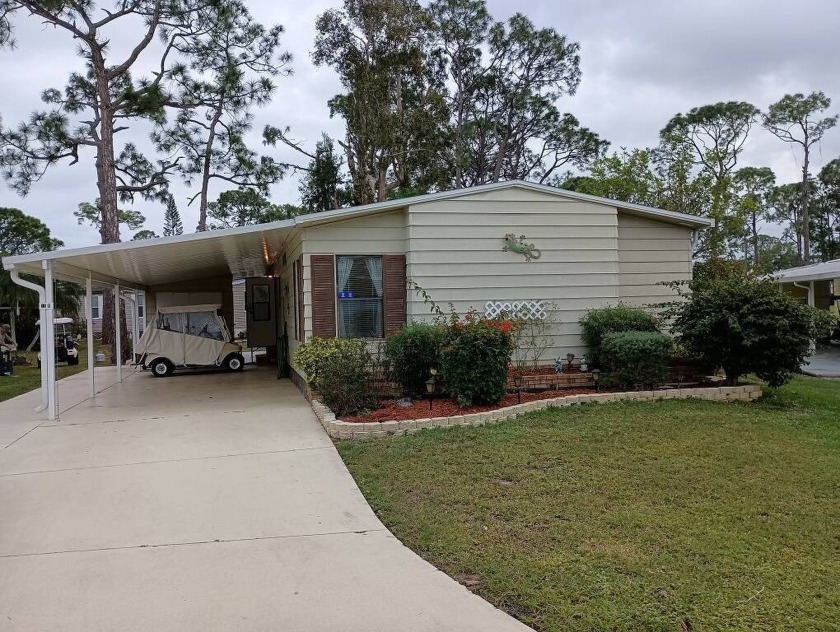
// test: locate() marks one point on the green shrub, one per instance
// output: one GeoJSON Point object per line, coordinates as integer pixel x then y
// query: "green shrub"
{"type": "Point", "coordinates": [474, 360]}
{"type": "Point", "coordinates": [338, 371]}
{"type": "Point", "coordinates": [746, 326]}
{"type": "Point", "coordinates": [413, 352]}
{"type": "Point", "coordinates": [606, 320]}
{"type": "Point", "coordinates": [635, 358]}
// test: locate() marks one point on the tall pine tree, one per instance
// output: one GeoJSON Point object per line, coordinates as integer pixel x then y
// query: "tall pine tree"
{"type": "Point", "coordinates": [172, 220]}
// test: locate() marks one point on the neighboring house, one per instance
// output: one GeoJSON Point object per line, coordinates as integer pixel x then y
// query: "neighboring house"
{"type": "Point", "coordinates": [97, 314]}
{"type": "Point", "coordinates": [345, 272]}
{"type": "Point", "coordinates": [816, 284]}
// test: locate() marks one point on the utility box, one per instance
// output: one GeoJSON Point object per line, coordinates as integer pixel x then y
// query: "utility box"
{"type": "Point", "coordinates": [262, 309]}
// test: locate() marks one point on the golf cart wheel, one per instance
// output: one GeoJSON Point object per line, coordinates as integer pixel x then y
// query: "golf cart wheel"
{"type": "Point", "coordinates": [71, 361]}
{"type": "Point", "coordinates": [162, 367]}
{"type": "Point", "coordinates": [234, 362]}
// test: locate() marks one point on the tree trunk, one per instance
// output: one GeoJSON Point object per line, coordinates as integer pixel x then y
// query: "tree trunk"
{"type": "Point", "coordinates": [109, 222]}
{"type": "Point", "coordinates": [13, 323]}
{"type": "Point", "coordinates": [459, 140]}
{"type": "Point", "coordinates": [206, 167]}
{"type": "Point", "coordinates": [109, 329]}
{"type": "Point", "coordinates": [755, 239]}
{"type": "Point", "coordinates": [806, 223]}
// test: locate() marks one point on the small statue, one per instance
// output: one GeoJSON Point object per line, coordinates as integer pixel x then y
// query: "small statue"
{"type": "Point", "coordinates": [558, 366]}
{"type": "Point", "coordinates": [584, 364]}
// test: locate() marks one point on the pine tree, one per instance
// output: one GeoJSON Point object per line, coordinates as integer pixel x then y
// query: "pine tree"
{"type": "Point", "coordinates": [172, 220]}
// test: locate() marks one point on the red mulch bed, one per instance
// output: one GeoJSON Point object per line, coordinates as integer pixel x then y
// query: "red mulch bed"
{"type": "Point", "coordinates": [442, 407]}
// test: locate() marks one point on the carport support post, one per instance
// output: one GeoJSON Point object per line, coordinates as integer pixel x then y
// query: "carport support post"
{"type": "Point", "coordinates": [91, 353]}
{"type": "Point", "coordinates": [118, 333]}
{"type": "Point", "coordinates": [48, 341]}
{"type": "Point", "coordinates": [135, 324]}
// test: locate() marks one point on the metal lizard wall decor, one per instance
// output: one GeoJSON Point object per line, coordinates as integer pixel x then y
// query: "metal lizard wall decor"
{"type": "Point", "coordinates": [518, 245]}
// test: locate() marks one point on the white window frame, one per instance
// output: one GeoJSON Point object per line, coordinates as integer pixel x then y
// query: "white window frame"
{"type": "Point", "coordinates": [96, 307]}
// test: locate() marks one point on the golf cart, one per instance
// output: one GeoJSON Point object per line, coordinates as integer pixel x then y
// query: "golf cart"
{"type": "Point", "coordinates": [192, 337]}
{"type": "Point", "coordinates": [65, 346]}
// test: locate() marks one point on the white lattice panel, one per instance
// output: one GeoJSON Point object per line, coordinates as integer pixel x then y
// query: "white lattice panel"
{"type": "Point", "coordinates": [526, 310]}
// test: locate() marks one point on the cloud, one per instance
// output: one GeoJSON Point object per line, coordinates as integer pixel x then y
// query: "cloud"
{"type": "Point", "coordinates": [642, 60]}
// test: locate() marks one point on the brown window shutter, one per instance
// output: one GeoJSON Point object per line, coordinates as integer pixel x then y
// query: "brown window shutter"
{"type": "Point", "coordinates": [393, 273]}
{"type": "Point", "coordinates": [299, 334]}
{"type": "Point", "coordinates": [323, 295]}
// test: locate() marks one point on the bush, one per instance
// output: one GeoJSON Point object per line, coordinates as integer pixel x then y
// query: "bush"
{"type": "Point", "coordinates": [338, 371]}
{"type": "Point", "coordinates": [635, 358]}
{"type": "Point", "coordinates": [474, 360]}
{"type": "Point", "coordinates": [599, 322]}
{"type": "Point", "coordinates": [746, 326]}
{"type": "Point", "coordinates": [413, 352]}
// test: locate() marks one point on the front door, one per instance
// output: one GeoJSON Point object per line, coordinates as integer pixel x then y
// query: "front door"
{"type": "Point", "coordinates": [262, 308]}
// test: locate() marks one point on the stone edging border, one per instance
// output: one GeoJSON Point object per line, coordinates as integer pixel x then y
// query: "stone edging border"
{"type": "Point", "coordinates": [338, 429]}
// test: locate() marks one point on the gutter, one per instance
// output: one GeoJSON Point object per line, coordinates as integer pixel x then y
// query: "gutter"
{"type": "Point", "coordinates": [42, 300]}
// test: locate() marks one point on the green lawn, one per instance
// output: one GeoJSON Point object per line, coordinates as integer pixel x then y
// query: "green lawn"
{"type": "Point", "coordinates": [28, 378]}
{"type": "Point", "coordinates": [675, 515]}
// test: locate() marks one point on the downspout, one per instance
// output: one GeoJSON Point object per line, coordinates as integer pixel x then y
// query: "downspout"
{"type": "Point", "coordinates": [42, 300]}
{"type": "Point", "coordinates": [809, 289]}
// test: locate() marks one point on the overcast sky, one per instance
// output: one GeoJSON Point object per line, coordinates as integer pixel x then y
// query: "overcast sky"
{"type": "Point", "coordinates": [642, 61]}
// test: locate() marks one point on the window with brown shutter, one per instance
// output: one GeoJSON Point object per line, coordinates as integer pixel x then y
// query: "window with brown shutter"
{"type": "Point", "coordinates": [323, 295]}
{"type": "Point", "coordinates": [393, 272]}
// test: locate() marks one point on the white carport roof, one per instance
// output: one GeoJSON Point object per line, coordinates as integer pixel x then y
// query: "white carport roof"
{"type": "Point", "coordinates": [251, 250]}
{"type": "Point", "coordinates": [814, 272]}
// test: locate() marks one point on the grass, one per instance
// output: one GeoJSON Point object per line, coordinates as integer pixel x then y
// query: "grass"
{"type": "Point", "coordinates": [674, 515]}
{"type": "Point", "coordinates": [28, 378]}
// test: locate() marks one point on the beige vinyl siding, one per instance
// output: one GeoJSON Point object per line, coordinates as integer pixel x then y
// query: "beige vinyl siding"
{"type": "Point", "coordinates": [384, 233]}
{"type": "Point", "coordinates": [455, 254]}
{"type": "Point", "coordinates": [592, 255]}
{"type": "Point", "coordinates": [650, 252]}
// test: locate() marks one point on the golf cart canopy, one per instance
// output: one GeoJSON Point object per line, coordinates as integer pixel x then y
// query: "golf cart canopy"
{"type": "Point", "coordinates": [187, 335]}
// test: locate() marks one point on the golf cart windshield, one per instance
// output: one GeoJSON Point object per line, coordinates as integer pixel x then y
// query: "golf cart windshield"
{"type": "Point", "coordinates": [201, 324]}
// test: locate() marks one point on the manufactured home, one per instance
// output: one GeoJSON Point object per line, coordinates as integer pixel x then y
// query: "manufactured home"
{"type": "Point", "coordinates": [545, 252]}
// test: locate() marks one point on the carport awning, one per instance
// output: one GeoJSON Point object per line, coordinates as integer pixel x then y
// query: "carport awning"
{"type": "Point", "coordinates": [815, 272]}
{"type": "Point", "coordinates": [252, 250]}
{"type": "Point", "coordinates": [243, 252]}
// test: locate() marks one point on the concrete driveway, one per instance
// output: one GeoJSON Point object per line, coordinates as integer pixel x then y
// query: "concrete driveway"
{"type": "Point", "coordinates": [201, 502]}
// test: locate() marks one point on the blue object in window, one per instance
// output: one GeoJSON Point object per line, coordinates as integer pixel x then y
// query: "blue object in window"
{"type": "Point", "coordinates": [346, 295]}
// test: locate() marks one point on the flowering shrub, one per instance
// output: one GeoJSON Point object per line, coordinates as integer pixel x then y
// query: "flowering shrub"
{"type": "Point", "coordinates": [474, 359]}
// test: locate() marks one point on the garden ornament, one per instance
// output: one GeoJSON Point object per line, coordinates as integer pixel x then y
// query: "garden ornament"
{"type": "Point", "coordinates": [518, 245]}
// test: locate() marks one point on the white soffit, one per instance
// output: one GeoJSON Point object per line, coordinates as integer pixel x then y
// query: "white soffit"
{"type": "Point", "coordinates": [166, 260]}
